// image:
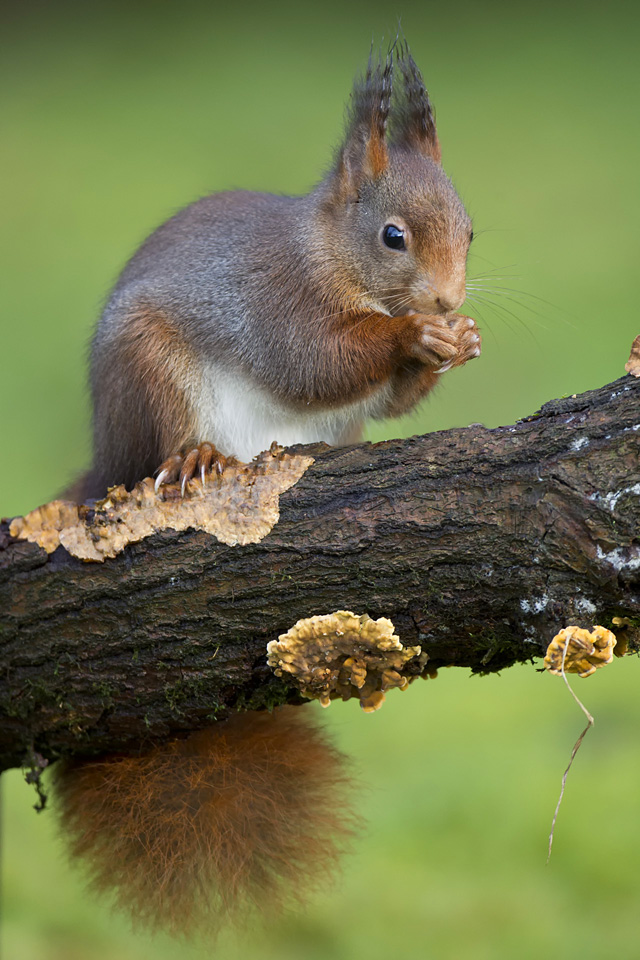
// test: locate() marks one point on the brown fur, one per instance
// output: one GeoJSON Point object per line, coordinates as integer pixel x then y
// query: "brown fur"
{"type": "Point", "coordinates": [382, 349]}
{"type": "Point", "coordinates": [410, 384]}
{"type": "Point", "coordinates": [414, 380]}
{"type": "Point", "coordinates": [363, 350]}
{"type": "Point", "coordinates": [251, 811]}
{"type": "Point", "coordinates": [156, 356]}
{"type": "Point", "coordinates": [377, 155]}
{"type": "Point", "coordinates": [152, 358]}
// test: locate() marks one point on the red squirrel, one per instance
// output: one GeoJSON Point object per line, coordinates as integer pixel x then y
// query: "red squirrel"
{"type": "Point", "coordinates": [248, 318]}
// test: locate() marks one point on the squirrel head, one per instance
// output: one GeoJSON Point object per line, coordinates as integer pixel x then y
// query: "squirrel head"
{"type": "Point", "coordinates": [393, 227]}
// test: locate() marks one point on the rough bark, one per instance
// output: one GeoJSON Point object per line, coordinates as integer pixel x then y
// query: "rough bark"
{"type": "Point", "coordinates": [479, 544]}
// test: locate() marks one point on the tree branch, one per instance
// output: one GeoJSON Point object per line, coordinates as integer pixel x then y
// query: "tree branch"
{"type": "Point", "coordinates": [478, 544]}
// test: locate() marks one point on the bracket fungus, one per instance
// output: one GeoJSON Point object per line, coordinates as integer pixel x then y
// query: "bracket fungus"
{"type": "Point", "coordinates": [343, 655]}
{"type": "Point", "coordinates": [240, 507]}
{"type": "Point", "coordinates": [632, 365]}
{"type": "Point", "coordinates": [586, 650]}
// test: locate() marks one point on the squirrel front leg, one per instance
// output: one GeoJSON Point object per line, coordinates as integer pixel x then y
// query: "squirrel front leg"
{"type": "Point", "coordinates": [358, 352]}
{"type": "Point", "coordinates": [143, 378]}
{"type": "Point", "coordinates": [414, 380]}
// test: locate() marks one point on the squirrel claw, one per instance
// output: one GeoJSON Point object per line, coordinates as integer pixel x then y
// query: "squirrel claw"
{"type": "Point", "coordinates": [445, 342]}
{"type": "Point", "coordinates": [168, 471]}
{"type": "Point", "coordinates": [202, 460]}
{"type": "Point", "coordinates": [445, 367]}
{"type": "Point", "coordinates": [468, 340]}
{"type": "Point", "coordinates": [159, 480]}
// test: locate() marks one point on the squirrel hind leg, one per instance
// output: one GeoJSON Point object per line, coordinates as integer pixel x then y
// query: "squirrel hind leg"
{"type": "Point", "coordinates": [199, 461]}
{"type": "Point", "coordinates": [251, 812]}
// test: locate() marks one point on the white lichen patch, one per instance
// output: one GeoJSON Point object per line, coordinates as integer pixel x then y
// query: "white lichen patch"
{"type": "Point", "coordinates": [579, 443]}
{"type": "Point", "coordinates": [621, 559]}
{"type": "Point", "coordinates": [238, 508]}
{"type": "Point", "coordinates": [343, 655]}
{"type": "Point", "coordinates": [618, 393]}
{"type": "Point", "coordinates": [611, 498]}
{"type": "Point", "coordinates": [535, 604]}
{"type": "Point", "coordinates": [584, 606]}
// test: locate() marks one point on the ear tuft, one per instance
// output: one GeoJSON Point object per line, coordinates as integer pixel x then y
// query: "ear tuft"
{"type": "Point", "coordinates": [363, 155]}
{"type": "Point", "coordinates": [413, 118]}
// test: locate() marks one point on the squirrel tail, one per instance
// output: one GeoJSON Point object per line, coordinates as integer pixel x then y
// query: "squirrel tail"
{"type": "Point", "coordinates": [250, 812]}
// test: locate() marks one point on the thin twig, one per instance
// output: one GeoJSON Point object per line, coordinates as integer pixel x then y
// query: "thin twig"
{"type": "Point", "coordinates": [575, 748]}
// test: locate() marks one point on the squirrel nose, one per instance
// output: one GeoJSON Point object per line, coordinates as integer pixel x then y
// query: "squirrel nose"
{"type": "Point", "coordinates": [451, 300]}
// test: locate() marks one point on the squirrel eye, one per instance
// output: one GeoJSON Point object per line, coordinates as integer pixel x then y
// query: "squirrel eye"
{"type": "Point", "coordinates": [471, 236]}
{"type": "Point", "coordinates": [393, 237]}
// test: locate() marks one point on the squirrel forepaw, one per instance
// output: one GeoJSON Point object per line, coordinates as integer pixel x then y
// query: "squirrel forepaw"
{"type": "Point", "coordinates": [468, 341]}
{"type": "Point", "coordinates": [200, 460]}
{"type": "Point", "coordinates": [445, 342]}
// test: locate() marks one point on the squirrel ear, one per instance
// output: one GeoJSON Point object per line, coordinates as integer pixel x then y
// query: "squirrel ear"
{"type": "Point", "coordinates": [413, 119]}
{"type": "Point", "coordinates": [363, 155]}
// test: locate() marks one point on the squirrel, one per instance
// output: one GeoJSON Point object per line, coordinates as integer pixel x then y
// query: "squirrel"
{"type": "Point", "coordinates": [249, 317]}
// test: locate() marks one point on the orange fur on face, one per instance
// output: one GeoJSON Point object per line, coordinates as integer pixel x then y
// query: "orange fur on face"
{"type": "Point", "coordinates": [251, 811]}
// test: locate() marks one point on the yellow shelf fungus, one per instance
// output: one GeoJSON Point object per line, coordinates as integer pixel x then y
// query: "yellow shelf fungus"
{"type": "Point", "coordinates": [586, 650]}
{"type": "Point", "coordinates": [343, 655]}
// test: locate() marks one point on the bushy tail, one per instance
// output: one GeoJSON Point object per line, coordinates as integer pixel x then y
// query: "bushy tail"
{"type": "Point", "coordinates": [251, 811]}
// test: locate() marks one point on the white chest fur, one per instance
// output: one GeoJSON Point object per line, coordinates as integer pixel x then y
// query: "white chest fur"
{"type": "Point", "coordinates": [242, 418]}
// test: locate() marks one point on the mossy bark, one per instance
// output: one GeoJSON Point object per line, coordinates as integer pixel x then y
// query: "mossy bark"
{"type": "Point", "coordinates": [478, 544]}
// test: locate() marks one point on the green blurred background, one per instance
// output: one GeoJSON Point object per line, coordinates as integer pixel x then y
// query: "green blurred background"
{"type": "Point", "coordinates": [115, 115]}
